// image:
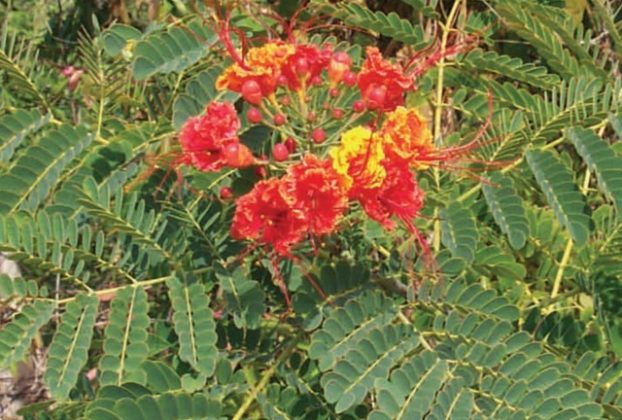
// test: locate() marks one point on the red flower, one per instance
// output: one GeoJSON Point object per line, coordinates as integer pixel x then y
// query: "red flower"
{"type": "Point", "coordinates": [305, 64]}
{"type": "Point", "coordinates": [204, 138]}
{"type": "Point", "coordinates": [399, 195]}
{"type": "Point", "coordinates": [266, 214]}
{"type": "Point", "coordinates": [318, 193]}
{"type": "Point", "coordinates": [382, 83]}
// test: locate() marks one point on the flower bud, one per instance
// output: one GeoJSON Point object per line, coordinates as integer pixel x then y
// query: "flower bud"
{"type": "Point", "coordinates": [251, 92]}
{"type": "Point", "coordinates": [280, 152]}
{"type": "Point", "coordinates": [254, 115]}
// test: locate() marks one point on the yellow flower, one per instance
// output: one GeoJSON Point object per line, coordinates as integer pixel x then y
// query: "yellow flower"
{"type": "Point", "coordinates": [358, 159]}
{"type": "Point", "coordinates": [406, 135]}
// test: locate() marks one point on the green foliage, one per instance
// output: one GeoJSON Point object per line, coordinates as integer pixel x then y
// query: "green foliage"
{"type": "Point", "coordinates": [68, 350]}
{"type": "Point", "coordinates": [507, 209]}
{"type": "Point", "coordinates": [507, 305]}
{"type": "Point", "coordinates": [14, 128]}
{"type": "Point", "coordinates": [172, 50]}
{"type": "Point", "coordinates": [194, 325]}
{"type": "Point", "coordinates": [125, 344]}
{"type": "Point", "coordinates": [601, 159]}
{"type": "Point", "coordinates": [562, 194]}
{"type": "Point", "coordinates": [390, 25]}
{"type": "Point", "coordinates": [35, 172]}
{"type": "Point", "coordinates": [16, 336]}
{"type": "Point", "coordinates": [459, 231]}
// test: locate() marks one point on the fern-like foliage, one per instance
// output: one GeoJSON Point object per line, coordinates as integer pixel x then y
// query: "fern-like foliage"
{"type": "Point", "coordinates": [511, 67]}
{"type": "Point", "coordinates": [172, 50]}
{"type": "Point", "coordinates": [69, 349]}
{"type": "Point", "coordinates": [194, 324]}
{"type": "Point", "coordinates": [19, 77]}
{"type": "Point", "coordinates": [506, 207]}
{"type": "Point", "coordinates": [32, 175]}
{"type": "Point", "coordinates": [459, 231]}
{"type": "Point", "coordinates": [600, 159]}
{"type": "Point", "coordinates": [125, 344]}
{"type": "Point", "coordinates": [390, 25]}
{"type": "Point", "coordinates": [15, 127]}
{"type": "Point", "coordinates": [561, 192]}
{"type": "Point", "coordinates": [17, 335]}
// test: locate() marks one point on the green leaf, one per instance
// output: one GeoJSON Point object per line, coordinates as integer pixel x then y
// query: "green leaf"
{"type": "Point", "coordinates": [555, 181]}
{"type": "Point", "coordinates": [412, 389]}
{"type": "Point", "coordinates": [346, 326]}
{"type": "Point", "coordinates": [19, 80]}
{"type": "Point", "coordinates": [117, 36]}
{"type": "Point", "coordinates": [390, 25]}
{"type": "Point", "coordinates": [507, 209]}
{"type": "Point", "coordinates": [16, 336]}
{"type": "Point", "coordinates": [353, 376]}
{"type": "Point", "coordinates": [512, 67]}
{"type": "Point", "coordinates": [172, 50]}
{"type": "Point", "coordinates": [601, 159]}
{"type": "Point", "coordinates": [15, 127]}
{"type": "Point", "coordinates": [194, 324]}
{"type": "Point", "coordinates": [35, 172]}
{"type": "Point", "coordinates": [459, 232]}
{"type": "Point", "coordinates": [125, 342]}
{"type": "Point", "coordinates": [244, 298]}
{"type": "Point", "coordinates": [161, 377]}
{"type": "Point", "coordinates": [68, 351]}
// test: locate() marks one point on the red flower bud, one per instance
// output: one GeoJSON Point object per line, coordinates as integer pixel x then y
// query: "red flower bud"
{"type": "Point", "coordinates": [254, 115]}
{"type": "Point", "coordinates": [290, 143]}
{"type": "Point", "coordinates": [358, 106]}
{"type": "Point", "coordinates": [301, 66]}
{"type": "Point", "coordinates": [318, 135]}
{"type": "Point", "coordinates": [226, 193]}
{"type": "Point", "coordinates": [333, 92]}
{"type": "Point", "coordinates": [337, 113]}
{"type": "Point", "coordinates": [280, 152]}
{"type": "Point", "coordinates": [279, 119]}
{"type": "Point", "coordinates": [349, 78]}
{"type": "Point", "coordinates": [251, 92]}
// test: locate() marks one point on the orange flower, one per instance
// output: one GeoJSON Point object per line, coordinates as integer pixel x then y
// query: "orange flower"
{"type": "Point", "coordinates": [204, 138]}
{"type": "Point", "coordinates": [382, 84]}
{"type": "Point", "coordinates": [318, 193]}
{"type": "Point", "coordinates": [263, 69]}
{"type": "Point", "coordinates": [267, 214]}
{"type": "Point", "coordinates": [405, 136]}
{"type": "Point", "coordinates": [399, 195]}
{"type": "Point", "coordinates": [358, 160]}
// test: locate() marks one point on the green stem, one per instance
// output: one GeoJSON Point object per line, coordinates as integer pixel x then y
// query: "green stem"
{"type": "Point", "coordinates": [265, 378]}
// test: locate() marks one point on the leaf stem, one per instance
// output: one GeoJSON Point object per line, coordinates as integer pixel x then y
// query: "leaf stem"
{"type": "Point", "coordinates": [265, 378]}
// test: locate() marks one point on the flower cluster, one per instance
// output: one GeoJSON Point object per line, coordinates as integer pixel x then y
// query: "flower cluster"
{"type": "Point", "coordinates": [357, 143]}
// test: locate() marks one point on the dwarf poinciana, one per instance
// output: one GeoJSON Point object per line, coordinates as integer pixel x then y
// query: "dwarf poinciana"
{"type": "Point", "coordinates": [316, 170]}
